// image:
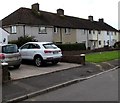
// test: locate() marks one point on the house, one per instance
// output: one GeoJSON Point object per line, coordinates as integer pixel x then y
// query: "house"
{"type": "Point", "coordinates": [3, 36]}
{"type": "Point", "coordinates": [59, 28]}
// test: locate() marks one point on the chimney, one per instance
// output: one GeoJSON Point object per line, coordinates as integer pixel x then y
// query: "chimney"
{"type": "Point", "coordinates": [101, 20]}
{"type": "Point", "coordinates": [90, 18]}
{"type": "Point", "coordinates": [35, 7]}
{"type": "Point", "coordinates": [60, 12]}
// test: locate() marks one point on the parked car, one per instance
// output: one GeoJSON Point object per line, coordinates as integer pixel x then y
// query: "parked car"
{"type": "Point", "coordinates": [41, 52]}
{"type": "Point", "coordinates": [9, 53]}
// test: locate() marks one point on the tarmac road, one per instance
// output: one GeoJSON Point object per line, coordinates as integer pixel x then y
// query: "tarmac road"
{"type": "Point", "coordinates": [99, 88]}
{"type": "Point", "coordinates": [22, 89]}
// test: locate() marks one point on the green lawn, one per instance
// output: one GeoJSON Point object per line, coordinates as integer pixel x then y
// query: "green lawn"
{"type": "Point", "coordinates": [102, 56]}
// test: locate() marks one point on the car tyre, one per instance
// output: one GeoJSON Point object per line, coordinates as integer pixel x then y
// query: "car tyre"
{"type": "Point", "coordinates": [38, 61]}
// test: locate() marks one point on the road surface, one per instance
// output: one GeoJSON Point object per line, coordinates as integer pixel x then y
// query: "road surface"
{"type": "Point", "coordinates": [100, 88]}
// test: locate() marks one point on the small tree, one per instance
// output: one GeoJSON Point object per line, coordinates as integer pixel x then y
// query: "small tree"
{"type": "Point", "coordinates": [22, 40]}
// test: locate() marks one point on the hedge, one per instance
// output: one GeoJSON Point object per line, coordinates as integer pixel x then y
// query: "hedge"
{"type": "Point", "coordinates": [22, 40]}
{"type": "Point", "coordinates": [72, 47]}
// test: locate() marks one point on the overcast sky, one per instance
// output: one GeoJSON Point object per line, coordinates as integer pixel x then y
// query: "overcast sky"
{"type": "Point", "coordinates": [107, 9]}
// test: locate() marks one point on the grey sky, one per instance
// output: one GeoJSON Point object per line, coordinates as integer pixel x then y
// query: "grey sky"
{"type": "Point", "coordinates": [107, 9]}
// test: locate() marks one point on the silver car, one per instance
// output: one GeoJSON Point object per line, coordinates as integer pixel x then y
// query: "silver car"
{"type": "Point", "coordinates": [9, 53]}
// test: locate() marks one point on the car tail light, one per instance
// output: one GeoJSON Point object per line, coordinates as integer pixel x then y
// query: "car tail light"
{"type": "Point", "coordinates": [47, 51]}
{"type": "Point", "coordinates": [2, 56]}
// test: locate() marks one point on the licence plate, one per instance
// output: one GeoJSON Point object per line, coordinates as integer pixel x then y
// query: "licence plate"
{"type": "Point", "coordinates": [55, 52]}
{"type": "Point", "coordinates": [12, 59]}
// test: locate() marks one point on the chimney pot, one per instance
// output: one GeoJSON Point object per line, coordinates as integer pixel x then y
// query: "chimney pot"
{"type": "Point", "coordinates": [90, 18]}
{"type": "Point", "coordinates": [60, 12]}
{"type": "Point", "coordinates": [101, 20]}
{"type": "Point", "coordinates": [35, 7]}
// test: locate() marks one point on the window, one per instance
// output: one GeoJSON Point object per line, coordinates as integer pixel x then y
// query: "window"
{"type": "Point", "coordinates": [55, 29]}
{"type": "Point", "coordinates": [10, 49]}
{"type": "Point", "coordinates": [89, 31]}
{"type": "Point", "coordinates": [108, 42]}
{"type": "Point", "coordinates": [104, 42]}
{"type": "Point", "coordinates": [34, 46]}
{"type": "Point", "coordinates": [50, 46]}
{"type": "Point", "coordinates": [42, 30]}
{"type": "Point", "coordinates": [67, 31]}
{"type": "Point", "coordinates": [107, 32]}
{"type": "Point", "coordinates": [99, 42]}
{"type": "Point", "coordinates": [13, 30]}
{"type": "Point", "coordinates": [93, 31]}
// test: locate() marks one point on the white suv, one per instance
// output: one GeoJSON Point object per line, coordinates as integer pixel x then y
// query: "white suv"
{"type": "Point", "coordinates": [41, 52]}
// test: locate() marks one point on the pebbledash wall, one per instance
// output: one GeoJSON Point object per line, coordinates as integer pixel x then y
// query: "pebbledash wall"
{"type": "Point", "coordinates": [31, 31]}
{"type": "Point", "coordinates": [96, 39]}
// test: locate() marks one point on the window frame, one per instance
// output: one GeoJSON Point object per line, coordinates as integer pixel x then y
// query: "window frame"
{"type": "Point", "coordinates": [41, 30]}
{"type": "Point", "coordinates": [67, 31]}
{"type": "Point", "coordinates": [13, 29]}
{"type": "Point", "coordinates": [55, 30]}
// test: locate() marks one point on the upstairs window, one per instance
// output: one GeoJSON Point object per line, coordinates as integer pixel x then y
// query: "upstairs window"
{"type": "Point", "coordinates": [67, 31]}
{"type": "Point", "coordinates": [55, 29]}
{"type": "Point", "coordinates": [107, 32]}
{"type": "Point", "coordinates": [89, 31]}
{"type": "Point", "coordinates": [13, 29]}
{"type": "Point", "coordinates": [93, 31]}
{"type": "Point", "coordinates": [99, 42]}
{"type": "Point", "coordinates": [42, 30]}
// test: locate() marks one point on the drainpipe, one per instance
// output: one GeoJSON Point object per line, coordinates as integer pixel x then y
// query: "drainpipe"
{"type": "Point", "coordinates": [87, 40]}
{"type": "Point", "coordinates": [97, 41]}
{"type": "Point", "coordinates": [61, 35]}
{"type": "Point", "coordinates": [24, 31]}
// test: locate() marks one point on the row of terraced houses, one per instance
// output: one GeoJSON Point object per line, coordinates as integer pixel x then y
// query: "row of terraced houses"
{"type": "Point", "coordinates": [59, 28]}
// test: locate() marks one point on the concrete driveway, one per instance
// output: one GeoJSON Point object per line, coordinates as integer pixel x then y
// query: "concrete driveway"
{"type": "Point", "coordinates": [27, 70]}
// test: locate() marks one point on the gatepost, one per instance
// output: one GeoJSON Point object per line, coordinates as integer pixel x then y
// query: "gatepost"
{"type": "Point", "coordinates": [82, 57]}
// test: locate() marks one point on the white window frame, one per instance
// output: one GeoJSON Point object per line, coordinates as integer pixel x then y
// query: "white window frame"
{"type": "Point", "coordinates": [108, 32]}
{"type": "Point", "coordinates": [55, 30]}
{"type": "Point", "coordinates": [67, 31]}
{"type": "Point", "coordinates": [13, 29]}
{"type": "Point", "coordinates": [42, 30]}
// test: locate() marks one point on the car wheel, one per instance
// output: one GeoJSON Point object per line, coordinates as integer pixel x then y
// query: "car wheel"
{"type": "Point", "coordinates": [38, 61]}
{"type": "Point", "coordinates": [16, 66]}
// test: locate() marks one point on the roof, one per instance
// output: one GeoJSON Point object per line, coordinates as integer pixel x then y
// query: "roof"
{"type": "Point", "coordinates": [29, 17]}
{"type": "Point", "coordinates": [2, 31]}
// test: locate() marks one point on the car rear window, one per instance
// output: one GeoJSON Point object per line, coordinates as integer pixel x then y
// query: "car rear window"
{"type": "Point", "coordinates": [10, 49]}
{"type": "Point", "coordinates": [50, 46]}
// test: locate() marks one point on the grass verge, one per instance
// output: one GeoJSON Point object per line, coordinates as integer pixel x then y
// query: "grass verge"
{"type": "Point", "coordinates": [102, 56]}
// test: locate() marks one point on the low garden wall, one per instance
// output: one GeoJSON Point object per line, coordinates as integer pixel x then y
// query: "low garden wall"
{"type": "Point", "coordinates": [80, 59]}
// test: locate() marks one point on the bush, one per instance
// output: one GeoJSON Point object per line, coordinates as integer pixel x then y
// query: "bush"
{"type": "Point", "coordinates": [23, 40]}
{"type": "Point", "coordinates": [72, 47]}
{"type": "Point", "coordinates": [117, 45]}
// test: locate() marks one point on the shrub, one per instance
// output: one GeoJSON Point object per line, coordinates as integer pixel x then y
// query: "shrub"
{"type": "Point", "coordinates": [72, 47]}
{"type": "Point", "coordinates": [117, 45]}
{"type": "Point", "coordinates": [23, 40]}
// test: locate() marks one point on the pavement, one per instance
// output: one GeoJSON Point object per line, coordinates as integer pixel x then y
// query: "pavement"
{"type": "Point", "coordinates": [21, 89]}
{"type": "Point", "coordinates": [29, 70]}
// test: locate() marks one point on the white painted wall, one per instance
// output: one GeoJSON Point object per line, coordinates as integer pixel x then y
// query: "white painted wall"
{"type": "Point", "coordinates": [81, 36]}
{"type": "Point", "coordinates": [3, 36]}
